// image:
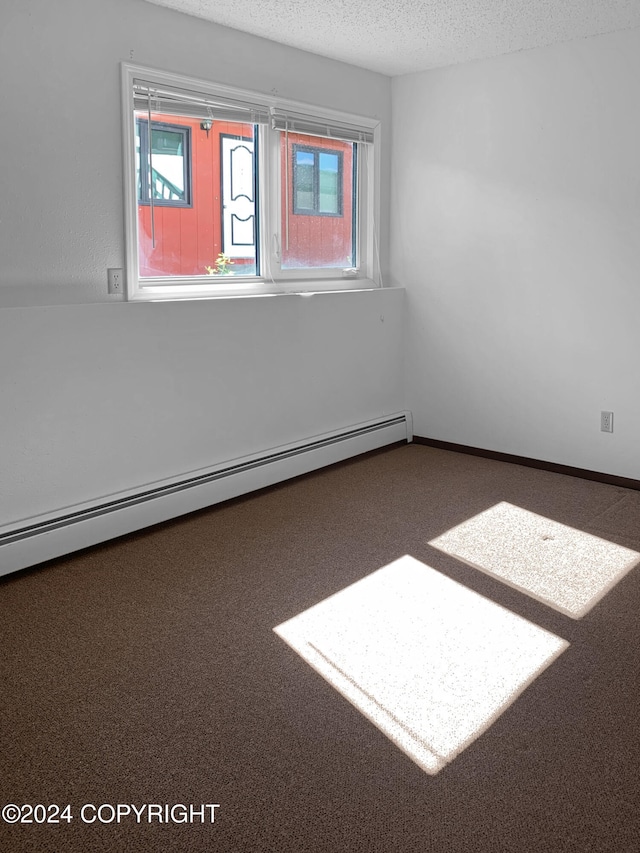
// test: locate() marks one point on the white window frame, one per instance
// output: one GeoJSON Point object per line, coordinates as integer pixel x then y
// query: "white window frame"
{"type": "Point", "coordinates": [273, 279]}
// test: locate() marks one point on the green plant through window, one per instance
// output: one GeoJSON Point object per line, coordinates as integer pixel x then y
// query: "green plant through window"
{"type": "Point", "coordinates": [222, 266]}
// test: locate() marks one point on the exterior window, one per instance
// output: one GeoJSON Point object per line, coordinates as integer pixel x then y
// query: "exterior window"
{"type": "Point", "coordinates": [167, 170]}
{"type": "Point", "coordinates": [319, 220]}
{"type": "Point", "coordinates": [203, 222]}
{"type": "Point", "coordinates": [227, 194]}
{"type": "Point", "coordinates": [317, 181]}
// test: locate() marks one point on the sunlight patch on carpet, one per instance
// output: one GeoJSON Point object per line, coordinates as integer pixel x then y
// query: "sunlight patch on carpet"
{"type": "Point", "coordinates": [431, 663]}
{"type": "Point", "coordinates": [563, 567]}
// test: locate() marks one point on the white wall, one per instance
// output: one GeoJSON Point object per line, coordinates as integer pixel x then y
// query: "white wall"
{"type": "Point", "coordinates": [99, 399]}
{"type": "Point", "coordinates": [516, 230]}
{"type": "Point", "coordinates": [96, 398]}
{"type": "Point", "coordinates": [61, 199]}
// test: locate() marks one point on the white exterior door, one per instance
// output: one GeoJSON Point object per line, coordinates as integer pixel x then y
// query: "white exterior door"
{"type": "Point", "coordinates": [238, 201]}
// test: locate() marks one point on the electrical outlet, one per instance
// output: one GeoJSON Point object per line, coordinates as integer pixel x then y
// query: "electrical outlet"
{"type": "Point", "coordinates": [606, 421]}
{"type": "Point", "coordinates": [114, 281]}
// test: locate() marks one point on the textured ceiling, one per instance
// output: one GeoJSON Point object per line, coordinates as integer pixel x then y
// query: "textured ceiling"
{"type": "Point", "coordinates": [401, 36]}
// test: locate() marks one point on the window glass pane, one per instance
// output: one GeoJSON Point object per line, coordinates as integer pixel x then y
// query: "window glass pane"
{"type": "Point", "coordinates": [168, 164]}
{"type": "Point", "coordinates": [303, 177]}
{"type": "Point", "coordinates": [138, 166]}
{"type": "Point", "coordinates": [168, 174]}
{"type": "Point", "coordinates": [168, 142]}
{"type": "Point", "coordinates": [203, 179]}
{"type": "Point", "coordinates": [328, 162]}
{"type": "Point", "coordinates": [305, 158]}
{"type": "Point", "coordinates": [328, 199]}
{"type": "Point", "coordinates": [318, 202]}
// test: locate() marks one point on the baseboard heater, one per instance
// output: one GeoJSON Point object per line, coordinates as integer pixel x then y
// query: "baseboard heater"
{"type": "Point", "coordinates": [35, 540]}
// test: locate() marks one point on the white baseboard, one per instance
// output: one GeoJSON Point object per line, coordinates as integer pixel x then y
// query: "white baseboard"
{"type": "Point", "coordinates": [55, 534]}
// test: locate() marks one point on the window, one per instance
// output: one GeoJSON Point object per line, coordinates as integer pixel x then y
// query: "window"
{"type": "Point", "coordinates": [166, 165]}
{"type": "Point", "coordinates": [317, 181]}
{"type": "Point", "coordinates": [232, 193]}
{"type": "Point", "coordinates": [319, 212]}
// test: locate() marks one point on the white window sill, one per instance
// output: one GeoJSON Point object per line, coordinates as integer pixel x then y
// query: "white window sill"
{"type": "Point", "coordinates": [243, 290]}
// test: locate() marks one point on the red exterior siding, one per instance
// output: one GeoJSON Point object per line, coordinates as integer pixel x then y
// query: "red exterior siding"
{"type": "Point", "coordinates": [188, 239]}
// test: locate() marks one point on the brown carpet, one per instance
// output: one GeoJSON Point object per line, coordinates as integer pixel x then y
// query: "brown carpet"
{"type": "Point", "coordinates": [147, 671]}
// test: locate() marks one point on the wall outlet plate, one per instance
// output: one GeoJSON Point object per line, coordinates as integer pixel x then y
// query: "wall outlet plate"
{"type": "Point", "coordinates": [115, 281]}
{"type": "Point", "coordinates": [606, 421]}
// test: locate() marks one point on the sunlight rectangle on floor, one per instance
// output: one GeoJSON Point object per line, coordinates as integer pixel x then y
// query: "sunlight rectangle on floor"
{"type": "Point", "coordinates": [568, 569]}
{"type": "Point", "coordinates": [431, 663]}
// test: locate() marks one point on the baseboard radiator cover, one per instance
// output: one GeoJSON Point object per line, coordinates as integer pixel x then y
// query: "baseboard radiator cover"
{"type": "Point", "coordinates": [36, 540]}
